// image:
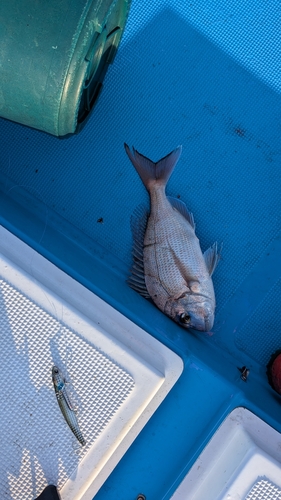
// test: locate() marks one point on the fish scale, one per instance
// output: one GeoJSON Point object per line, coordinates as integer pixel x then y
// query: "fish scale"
{"type": "Point", "coordinates": [170, 267]}
{"type": "Point", "coordinates": [169, 259]}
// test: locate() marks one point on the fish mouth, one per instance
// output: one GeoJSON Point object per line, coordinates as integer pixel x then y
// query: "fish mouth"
{"type": "Point", "coordinates": [208, 324]}
{"type": "Point", "coordinates": [190, 321]}
{"type": "Point", "coordinates": [204, 324]}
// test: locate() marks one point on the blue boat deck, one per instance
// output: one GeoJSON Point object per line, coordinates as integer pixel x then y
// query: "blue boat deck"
{"type": "Point", "coordinates": [207, 77]}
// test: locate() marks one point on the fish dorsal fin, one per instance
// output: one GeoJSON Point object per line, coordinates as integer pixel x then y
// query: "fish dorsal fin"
{"type": "Point", "coordinates": [212, 257]}
{"type": "Point", "coordinates": [138, 226]}
{"type": "Point", "coordinates": [181, 207]}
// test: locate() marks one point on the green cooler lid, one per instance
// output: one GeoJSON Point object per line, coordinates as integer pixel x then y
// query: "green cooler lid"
{"type": "Point", "coordinates": [53, 58]}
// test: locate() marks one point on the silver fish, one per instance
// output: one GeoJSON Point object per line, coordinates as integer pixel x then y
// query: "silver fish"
{"type": "Point", "coordinates": [65, 404]}
{"type": "Point", "coordinates": [169, 266]}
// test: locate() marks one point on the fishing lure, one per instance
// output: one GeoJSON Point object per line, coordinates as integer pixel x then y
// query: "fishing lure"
{"type": "Point", "coordinates": [65, 404]}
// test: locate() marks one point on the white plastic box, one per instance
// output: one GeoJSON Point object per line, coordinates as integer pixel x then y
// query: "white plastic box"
{"type": "Point", "coordinates": [118, 375]}
{"type": "Point", "coordinates": [242, 461]}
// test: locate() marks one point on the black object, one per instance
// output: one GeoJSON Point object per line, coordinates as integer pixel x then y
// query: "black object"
{"type": "Point", "coordinates": [244, 373]}
{"type": "Point", "coordinates": [49, 493]}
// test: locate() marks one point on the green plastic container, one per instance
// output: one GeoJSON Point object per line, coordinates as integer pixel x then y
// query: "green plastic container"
{"type": "Point", "coordinates": [53, 57]}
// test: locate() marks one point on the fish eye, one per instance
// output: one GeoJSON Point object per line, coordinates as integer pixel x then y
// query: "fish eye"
{"type": "Point", "coordinates": [185, 319]}
{"type": "Point", "coordinates": [56, 370]}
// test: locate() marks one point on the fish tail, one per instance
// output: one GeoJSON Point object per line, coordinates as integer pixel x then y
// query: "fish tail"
{"type": "Point", "coordinates": [151, 173]}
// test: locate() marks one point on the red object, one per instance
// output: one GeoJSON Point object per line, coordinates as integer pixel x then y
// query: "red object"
{"type": "Point", "coordinates": [274, 372]}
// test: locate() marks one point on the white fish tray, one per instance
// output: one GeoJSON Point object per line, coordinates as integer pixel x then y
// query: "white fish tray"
{"type": "Point", "coordinates": [241, 462]}
{"type": "Point", "coordinates": [118, 375]}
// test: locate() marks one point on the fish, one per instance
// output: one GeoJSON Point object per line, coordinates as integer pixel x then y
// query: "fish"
{"type": "Point", "coordinates": [169, 266]}
{"type": "Point", "coordinates": [65, 405]}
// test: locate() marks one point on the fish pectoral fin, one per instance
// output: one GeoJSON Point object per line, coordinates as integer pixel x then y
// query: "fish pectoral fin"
{"type": "Point", "coordinates": [181, 207]}
{"type": "Point", "coordinates": [212, 258]}
{"type": "Point", "coordinates": [67, 400]}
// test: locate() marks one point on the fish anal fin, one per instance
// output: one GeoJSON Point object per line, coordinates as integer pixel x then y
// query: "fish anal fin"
{"type": "Point", "coordinates": [139, 219]}
{"type": "Point", "coordinates": [181, 207]}
{"type": "Point", "coordinates": [138, 226]}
